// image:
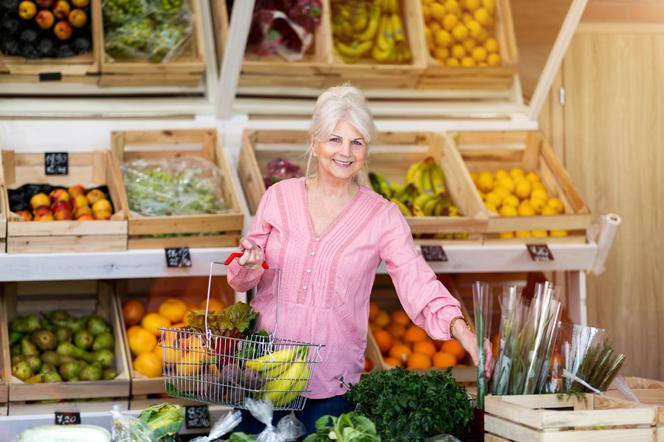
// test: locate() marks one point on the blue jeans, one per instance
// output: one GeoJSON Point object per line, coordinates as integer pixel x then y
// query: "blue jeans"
{"type": "Point", "coordinates": [313, 409]}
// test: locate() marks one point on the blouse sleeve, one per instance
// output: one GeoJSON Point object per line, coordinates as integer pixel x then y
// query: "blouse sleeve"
{"type": "Point", "coordinates": [241, 278]}
{"type": "Point", "coordinates": [424, 298]}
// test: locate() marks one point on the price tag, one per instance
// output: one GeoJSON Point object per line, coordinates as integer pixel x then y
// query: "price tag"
{"type": "Point", "coordinates": [56, 163]}
{"type": "Point", "coordinates": [178, 257]}
{"type": "Point", "coordinates": [539, 252]}
{"type": "Point", "coordinates": [197, 416]}
{"type": "Point", "coordinates": [434, 253]}
{"type": "Point", "coordinates": [67, 418]}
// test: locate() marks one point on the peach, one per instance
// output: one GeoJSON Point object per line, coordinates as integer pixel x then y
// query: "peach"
{"type": "Point", "coordinates": [44, 19]}
{"type": "Point", "coordinates": [102, 205]}
{"type": "Point", "coordinates": [63, 30]}
{"type": "Point", "coordinates": [47, 217]}
{"type": "Point", "coordinates": [80, 201]}
{"type": "Point", "coordinates": [78, 18]}
{"type": "Point", "coordinates": [58, 195]}
{"type": "Point", "coordinates": [25, 214]}
{"type": "Point", "coordinates": [94, 195]}
{"type": "Point", "coordinates": [85, 217]}
{"type": "Point", "coordinates": [102, 215]}
{"type": "Point", "coordinates": [63, 214]}
{"type": "Point", "coordinates": [41, 211]}
{"type": "Point", "coordinates": [39, 199]}
{"type": "Point", "coordinates": [61, 9]}
{"type": "Point", "coordinates": [61, 205]}
{"type": "Point", "coordinates": [76, 190]}
{"type": "Point", "coordinates": [83, 210]}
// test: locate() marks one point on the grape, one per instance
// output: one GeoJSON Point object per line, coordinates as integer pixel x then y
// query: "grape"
{"type": "Point", "coordinates": [117, 12]}
{"type": "Point", "coordinates": [129, 40]}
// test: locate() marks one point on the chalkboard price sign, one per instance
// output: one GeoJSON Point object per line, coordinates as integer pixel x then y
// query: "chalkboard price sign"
{"type": "Point", "coordinates": [197, 416]}
{"type": "Point", "coordinates": [178, 257]}
{"type": "Point", "coordinates": [539, 252]}
{"type": "Point", "coordinates": [67, 418]}
{"type": "Point", "coordinates": [434, 253]}
{"type": "Point", "coordinates": [56, 163]}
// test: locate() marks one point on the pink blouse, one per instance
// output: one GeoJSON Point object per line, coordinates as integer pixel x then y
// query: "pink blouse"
{"type": "Point", "coordinates": [326, 280]}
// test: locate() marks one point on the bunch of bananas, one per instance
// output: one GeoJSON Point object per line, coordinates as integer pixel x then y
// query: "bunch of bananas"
{"type": "Point", "coordinates": [360, 27]}
{"type": "Point", "coordinates": [286, 372]}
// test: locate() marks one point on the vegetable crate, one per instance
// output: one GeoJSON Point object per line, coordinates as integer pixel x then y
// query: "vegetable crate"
{"type": "Point", "coordinates": [78, 298]}
{"type": "Point", "coordinates": [552, 417]}
{"type": "Point", "coordinates": [531, 152]}
{"type": "Point", "coordinates": [147, 391]}
{"type": "Point", "coordinates": [3, 219]}
{"type": "Point", "coordinates": [384, 296]}
{"type": "Point", "coordinates": [187, 69]}
{"type": "Point", "coordinates": [89, 169]}
{"type": "Point", "coordinates": [439, 76]}
{"type": "Point", "coordinates": [82, 68]}
{"type": "Point", "coordinates": [207, 230]}
{"type": "Point", "coordinates": [649, 392]}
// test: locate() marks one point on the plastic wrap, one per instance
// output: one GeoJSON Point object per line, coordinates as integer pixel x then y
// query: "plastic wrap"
{"type": "Point", "coordinates": [288, 428]}
{"type": "Point", "coordinates": [183, 186]}
{"type": "Point", "coordinates": [119, 12]}
{"type": "Point", "coordinates": [223, 426]}
{"type": "Point", "coordinates": [158, 423]}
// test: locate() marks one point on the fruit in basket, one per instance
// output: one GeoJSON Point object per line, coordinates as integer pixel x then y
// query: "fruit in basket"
{"type": "Point", "coordinates": [40, 200]}
{"type": "Point", "coordinates": [444, 360]}
{"type": "Point", "coordinates": [50, 357]}
{"type": "Point", "coordinates": [103, 341]}
{"type": "Point", "coordinates": [25, 215]}
{"type": "Point", "coordinates": [142, 341]}
{"type": "Point", "coordinates": [71, 350]}
{"type": "Point", "coordinates": [75, 191]}
{"type": "Point", "coordinates": [83, 339]}
{"type": "Point", "coordinates": [45, 19]}
{"type": "Point", "coordinates": [101, 205]}
{"type": "Point", "coordinates": [190, 363]}
{"type": "Point", "coordinates": [101, 215]}
{"type": "Point", "coordinates": [214, 305]}
{"type": "Point", "coordinates": [22, 370]}
{"type": "Point", "coordinates": [173, 309]}
{"type": "Point", "coordinates": [95, 195]}
{"type": "Point", "coordinates": [383, 340]}
{"type": "Point", "coordinates": [425, 347]}
{"type": "Point", "coordinates": [92, 372]}
{"type": "Point", "coordinates": [62, 30]}
{"type": "Point", "coordinates": [148, 364]}
{"type": "Point", "coordinates": [61, 9]}
{"type": "Point", "coordinates": [34, 362]}
{"type": "Point", "coordinates": [71, 370]}
{"type": "Point", "coordinates": [96, 325]}
{"type": "Point", "coordinates": [153, 322]}
{"type": "Point", "coordinates": [63, 214]}
{"type": "Point", "coordinates": [103, 357]}
{"type": "Point", "coordinates": [44, 339]}
{"type": "Point", "coordinates": [28, 348]}
{"type": "Point", "coordinates": [418, 361]}
{"type": "Point", "coordinates": [27, 10]}
{"type": "Point", "coordinates": [78, 18]}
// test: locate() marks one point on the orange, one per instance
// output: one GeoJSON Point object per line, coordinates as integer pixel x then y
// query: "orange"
{"type": "Point", "coordinates": [415, 334]}
{"type": "Point", "coordinates": [400, 317]}
{"type": "Point", "coordinates": [152, 322]}
{"type": "Point", "coordinates": [396, 330]}
{"type": "Point", "coordinates": [374, 309]}
{"type": "Point", "coordinates": [132, 312]}
{"type": "Point", "coordinates": [190, 363]}
{"type": "Point", "coordinates": [393, 362]}
{"type": "Point", "coordinates": [419, 360]}
{"type": "Point", "coordinates": [400, 352]}
{"type": "Point", "coordinates": [173, 309]}
{"type": "Point", "coordinates": [383, 339]}
{"type": "Point", "coordinates": [214, 306]}
{"type": "Point", "coordinates": [148, 364]}
{"type": "Point", "coordinates": [382, 319]}
{"type": "Point", "coordinates": [454, 348]}
{"type": "Point", "coordinates": [133, 329]}
{"type": "Point", "coordinates": [158, 351]}
{"type": "Point", "coordinates": [425, 347]}
{"type": "Point", "coordinates": [168, 352]}
{"type": "Point", "coordinates": [142, 341]}
{"type": "Point", "coordinates": [368, 364]}
{"type": "Point", "coordinates": [444, 360]}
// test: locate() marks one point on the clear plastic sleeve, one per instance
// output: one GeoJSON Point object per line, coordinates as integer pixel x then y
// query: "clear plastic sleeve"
{"type": "Point", "coordinates": [288, 428]}
{"type": "Point", "coordinates": [223, 426]}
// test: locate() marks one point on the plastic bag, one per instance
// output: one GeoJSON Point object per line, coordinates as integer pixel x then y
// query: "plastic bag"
{"type": "Point", "coordinates": [119, 12]}
{"type": "Point", "coordinates": [155, 424]}
{"type": "Point", "coordinates": [223, 426]}
{"type": "Point", "coordinates": [182, 186]}
{"type": "Point", "coordinates": [288, 428]}
{"type": "Point", "coordinates": [128, 428]}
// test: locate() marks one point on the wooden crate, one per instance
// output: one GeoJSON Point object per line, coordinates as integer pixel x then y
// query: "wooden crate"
{"type": "Point", "coordinates": [79, 68]}
{"type": "Point", "coordinates": [89, 169]}
{"type": "Point", "coordinates": [532, 152]}
{"type": "Point", "coordinates": [187, 69]}
{"type": "Point", "coordinates": [390, 155]}
{"type": "Point", "coordinates": [80, 298]}
{"type": "Point", "coordinates": [551, 417]}
{"type": "Point", "coordinates": [438, 76]}
{"type": "Point", "coordinates": [224, 228]}
{"type": "Point", "coordinates": [649, 392]}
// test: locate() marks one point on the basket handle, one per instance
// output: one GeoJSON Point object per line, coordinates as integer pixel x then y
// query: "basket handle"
{"type": "Point", "coordinates": [234, 255]}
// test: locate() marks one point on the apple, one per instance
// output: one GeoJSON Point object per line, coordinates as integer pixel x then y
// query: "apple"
{"type": "Point", "coordinates": [94, 195]}
{"type": "Point", "coordinates": [80, 201]}
{"type": "Point", "coordinates": [61, 205]}
{"type": "Point", "coordinates": [27, 10]}
{"type": "Point", "coordinates": [78, 18]}
{"type": "Point", "coordinates": [103, 214]}
{"type": "Point", "coordinates": [76, 190]}
{"type": "Point", "coordinates": [41, 210]}
{"type": "Point", "coordinates": [80, 3]}
{"type": "Point", "coordinates": [61, 9]}
{"type": "Point", "coordinates": [44, 3]}
{"type": "Point", "coordinates": [59, 195]}
{"type": "Point", "coordinates": [63, 214]}
{"type": "Point", "coordinates": [62, 30]}
{"type": "Point", "coordinates": [102, 205]}
{"type": "Point", "coordinates": [85, 217]}
{"type": "Point", "coordinates": [39, 199]}
{"type": "Point", "coordinates": [83, 210]}
{"type": "Point", "coordinates": [44, 19]}
{"type": "Point", "coordinates": [25, 214]}
{"type": "Point", "coordinates": [47, 217]}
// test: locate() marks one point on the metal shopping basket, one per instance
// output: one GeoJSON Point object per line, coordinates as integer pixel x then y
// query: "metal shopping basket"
{"type": "Point", "coordinates": [206, 367]}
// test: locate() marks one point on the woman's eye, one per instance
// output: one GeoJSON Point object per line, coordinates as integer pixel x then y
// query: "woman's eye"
{"type": "Point", "coordinates": [357, 142]}
{"type": "Point", "coordinates": [335, 140]}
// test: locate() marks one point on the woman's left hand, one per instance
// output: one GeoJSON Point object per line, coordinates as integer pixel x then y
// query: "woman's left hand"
{"type": "Point", "coordinates": [468, 340]}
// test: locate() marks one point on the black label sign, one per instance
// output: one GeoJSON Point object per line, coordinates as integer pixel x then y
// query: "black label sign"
{"type": "Point", "coordinates": [434, 253]}
{"type": "Point", "coordinates": [197, 416]}
{"type": "Point", "coordinates": [67, 418]}
{"type": "Point", "coordinates": [50, 76]}
{"type": "Point", "coordinates": [539, 252]}
{"type": "Point", "coordinates": [178, 257]}
{"type": "Point", "coordinates": [56, 163]}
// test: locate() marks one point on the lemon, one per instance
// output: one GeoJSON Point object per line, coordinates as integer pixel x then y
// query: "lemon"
{"type": "Point", "coordinates": [437, 11]}
{"type": "Point", "coordinates": [539, 193]}
{"type": "Point", "coordinates": [467, 18]}
{"type": "Point", "coordinates": [538, 233]}
{"type": "Point", "coordinates": [460, 32]}
{"type": "Point", "coordinates": [428, 2]}
{"type": "Point", "coordinates": [533, 177]}
{"type": "Point", "coordinates": [526, 209]}
{"type": "Point", "coordinates": [507, 183]}
{"type": "Point", "coordinates": [537, 204]}
{"type": "Point", "coordinates": [508, 211]}
{"type": "Point", "coordinates": [493, 60]}
{"type": "Point", "coordinates": [479, 54]}
{"type": "Point", "coordinates": [482, 16]}
{"type": "Point", "coordinates": [546, 210]}
{"type": "Point", "coordinates": [516, 172]}
{"type": "Point", "coordinates": [458, 51]}
{"type": "Point", "coordinates": [453, 7]}
{"type": "Point", "coordinates": [556, 205]}
{"type": "Point", "coordinates": [471, 5]}
{"type": "Point", "coordinates": [435, 27]}
{"type": "Point", "coordinates": [500, 173]}
{"type": "Point", "coordinates": [558, 233]}
{"type": "Point", "coordinates": [493, 198]}
{"type": "Point", "coordinates": [426, 12]}
{"type": "Point", "coordinates": [506, 235]}
{"type": "Point", "coordinates": [443, 38]}
{"type": "Point", "coordinates": [474, 28]}
{"type": "Point", "coordinates": [489, 5]}
{"type": "Point", "coordinates": [450, 21]}
{"type": "Point", "coordinates": [469, 44]}
{"type": "Point", "coordinates": [484, 34]}
{"type": "Point", "coordinates": [523, 188]}
{"type": "Point", "coordinates": [522, 234]}
{"type": "Point", "coordinates": [485, 181]}
{"type": "Point", "coordinates": [441, 54]}
{"type": "Point", "coordinates": [501, 191]}
{"type": "Point", "coordinates": [453, 62]}
{"type": "Point", "coordinates": [491, 207]}
{"type": "Point", "coordinates": [468, 62]}
{"type": "Point", "coordinates": [511, 201]}
{"type": "Point", "coordinates": [491, 45]}
{"type": "Point", "coordinates": [483, 64]}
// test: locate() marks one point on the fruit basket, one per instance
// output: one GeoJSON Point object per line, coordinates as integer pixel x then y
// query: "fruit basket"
{"type": "Point", "coordinates": [169, 300]}
{"type": "Point", "coordinates": [77, 68]}
{"type": "Point", "coordinates": [219, 229]}
{"type": "Point", "coordinates": [187, 68]}
{"type": "Point", "coordinates": [85, 169]}
{"type": "Point", "coordinates": [88, 330]}
{"type": "Point", "coordinates": [498, 75]}
{"type": "Point", "coordinates": [556, 213]}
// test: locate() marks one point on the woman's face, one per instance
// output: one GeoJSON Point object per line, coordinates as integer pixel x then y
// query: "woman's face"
{"type": "Point", "coordinates": [342, 155]}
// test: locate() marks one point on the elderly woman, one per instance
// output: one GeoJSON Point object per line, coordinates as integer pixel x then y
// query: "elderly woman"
{"type": "Point", "coordinates": [328, 235]}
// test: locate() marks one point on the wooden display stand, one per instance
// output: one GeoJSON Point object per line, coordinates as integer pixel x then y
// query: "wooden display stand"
{"type": "Point", "coordinates": [89, 169]}
{"type": "Point", "coordinates": [20, 299]}
{"type": "Point", "coordinates": [220, 229]}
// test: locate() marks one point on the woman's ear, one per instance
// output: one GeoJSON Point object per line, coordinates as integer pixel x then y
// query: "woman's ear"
{"type": "Point", "coordinates": [314, 147]}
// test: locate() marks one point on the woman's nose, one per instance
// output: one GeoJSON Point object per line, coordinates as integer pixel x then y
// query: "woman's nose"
{"type": "Point", "coordinates": [345, 147]}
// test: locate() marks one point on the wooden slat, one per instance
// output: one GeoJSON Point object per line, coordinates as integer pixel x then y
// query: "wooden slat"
{"type": "Point", "coordinates": [23, 409]}
{"type": "Point", "coordinates": [65, 228]}
{"type": "Point", "coordinates": [56, 244]}
{"type": "Point", "coordinates": [144, 225]}
{"type": "Point", "coordinates": [229, 239]}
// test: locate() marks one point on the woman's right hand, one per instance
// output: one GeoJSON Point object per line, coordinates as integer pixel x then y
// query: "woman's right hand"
{"type": "Point", "coordinates": [252, 257]}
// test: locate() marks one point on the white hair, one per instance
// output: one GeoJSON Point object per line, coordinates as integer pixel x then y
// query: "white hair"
{"type": "Point", "coordinates": [335, 104]}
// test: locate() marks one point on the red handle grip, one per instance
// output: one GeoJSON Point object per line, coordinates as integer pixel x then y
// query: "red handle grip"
{"type": "Point", "coordinates": [234, 255]}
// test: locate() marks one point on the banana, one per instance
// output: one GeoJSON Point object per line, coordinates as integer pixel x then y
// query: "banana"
{"type": "Point", "coordinates": [283, 391]}
{"type": "Point", "coordinates": [345, 59]}
{"type": "Point", "coordinates": [421, 200]}
{"type": "Point", "coordinates": [405, 211]}
{"type": "Point", "coordinates": [424, 181]}
{"type": "Point", "coordinates": [411, 171]}
{"type": "Point", "coordinates": [430, 206]}
{"type": "Point", "coordinates": [394, 188]}
{"type": "Point", "coordinates": [374, 22]}
{"type": "Point", "coordinates": [272, 360]}
{"type": "Point", "coordinates": [360, 17]}
{"type": "Point", "coordinates": [346, 29]}
{"type": "Point", "coordinates": [397, 28]}
{"type": "Point", "coordinates": [383, 39]}
{"type": "Point", "coordinates": [437, 179]}
{"type": "Point", "coordinates": [379, 185]}
{"type": "Point", "coordinates": [354, 50]}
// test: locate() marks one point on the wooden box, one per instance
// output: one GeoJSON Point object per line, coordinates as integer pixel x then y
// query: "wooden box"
{"type": "Point", "coordinates": [649, 392]}
{"type": "Point", "coordinates": [221, 229]}
{"type": "Point", "coordinates": [533, 153]}
{"type": "Point", "coordinates": [79, 68]}
{"type": "Point", "coordinates": [552, 417]}
{"type": "Point", "coordinates": [77, 298]}
{"type": "Point", "coordinates": [187, 69]}
{"type": "Point", "coordinates": [438, 76]}
{"type": "Point", "coordinates": [89, 169]}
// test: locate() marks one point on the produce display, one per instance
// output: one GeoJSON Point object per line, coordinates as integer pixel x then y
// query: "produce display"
{"type": "Point", "coordinates": [362, 29]}
{"type": "Point", "coordinates": [58, 347]}
{"type": "Point", "coordinates": [346, 427]}
{"type": "Point", "coordinates": [183, 186]}
{"type": "Point", "coordinates": [160, 422]}
{"type": "Point", "coordinates": [42, 202]}
{"type": "Point", "coordinates": [462, 33]}
{"type": "Point", "coordinates": [147, 30]}
{"type": "Point", "coordinates": [45, 28]}
{"type": "Point", "coordinates": [278, 170]}
{"type": "Point", "coordinates": [403, 344]}
{"type": "Point", "coordinates": [517, 193]}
